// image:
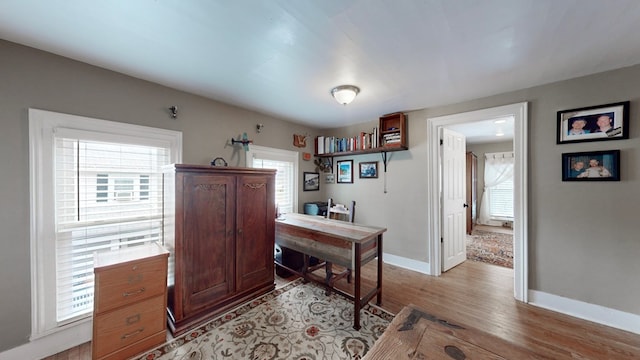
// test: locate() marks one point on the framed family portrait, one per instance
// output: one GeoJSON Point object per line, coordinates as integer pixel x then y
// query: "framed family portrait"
{"type": "Point", "coordinates": [594, 123]}
{"type": "Point", "coordinates": [591, 166]}
{"type": "Point", "coordinates": [345, 171]}
{"type": "Point", "coordinates": [369, 170]}
{"type": "Point", "coordinates": [311, 181]}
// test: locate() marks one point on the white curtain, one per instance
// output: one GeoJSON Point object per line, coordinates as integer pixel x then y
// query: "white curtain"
{"type": "Point", "coordinates": [498, 167]}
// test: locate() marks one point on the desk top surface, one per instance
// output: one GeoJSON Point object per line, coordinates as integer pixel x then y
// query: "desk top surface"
{"type": "Point", "coordinates": [341, 229]}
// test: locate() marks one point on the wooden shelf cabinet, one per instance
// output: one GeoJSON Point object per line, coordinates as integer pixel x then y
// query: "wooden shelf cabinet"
{"type": "Point", "coordinates": [130, 301]}
{"type": "Point", "coordinates": [393, 131]}
{"type": "Point", "coordinates": [219, 225]}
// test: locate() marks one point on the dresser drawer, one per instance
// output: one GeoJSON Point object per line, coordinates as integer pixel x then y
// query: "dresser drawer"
{"type": "Point", "coordinates": [123, 327]}
{"type": "Point", "coordinates": [126, 283]}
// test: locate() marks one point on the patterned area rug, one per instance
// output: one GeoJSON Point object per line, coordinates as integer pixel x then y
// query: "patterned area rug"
{"type": "Point", "coordinates": [490, 247]}
{"type": "Point", "coordinates": [297, 321]}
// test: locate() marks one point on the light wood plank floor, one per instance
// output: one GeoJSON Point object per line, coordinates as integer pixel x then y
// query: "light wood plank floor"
{"type": "Point", "coordinates": [481, 296]}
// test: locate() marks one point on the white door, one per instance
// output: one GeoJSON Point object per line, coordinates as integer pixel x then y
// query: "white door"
{"type": "Point", "coordinates": [454, 216]}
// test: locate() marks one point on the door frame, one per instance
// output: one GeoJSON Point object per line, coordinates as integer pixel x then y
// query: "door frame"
{"type": "Point", "coordinates": [520, 203]}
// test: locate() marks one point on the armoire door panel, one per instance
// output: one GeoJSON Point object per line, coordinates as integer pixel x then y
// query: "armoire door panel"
{"type": "Point", "coordinates": [256, 231]}
{"type": "Point", "coordinates": [208, 239]}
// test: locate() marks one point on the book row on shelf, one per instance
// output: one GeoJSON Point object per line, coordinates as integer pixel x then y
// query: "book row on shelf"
{"type": "Point", "coordinates": [392, 138]}
{"type": "Point", "coordinates": [333, 144]}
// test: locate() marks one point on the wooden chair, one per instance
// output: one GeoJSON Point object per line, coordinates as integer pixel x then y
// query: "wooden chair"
{"type": "Point", "coordinates": [348, 213]}
{"type": "Point", "coordinates": [334, 212]}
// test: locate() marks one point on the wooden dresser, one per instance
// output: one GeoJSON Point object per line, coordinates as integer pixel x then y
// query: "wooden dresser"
{"type": "Point", "coordinates": [219, 228]}
{"type": "Point", "coordinates": [129, 315]}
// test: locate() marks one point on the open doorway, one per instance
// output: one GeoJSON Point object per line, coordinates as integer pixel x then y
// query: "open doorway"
{"type": "Point", "coordinates": [489, 237]}
{"type": "Point", "coordinates": [519, 113]}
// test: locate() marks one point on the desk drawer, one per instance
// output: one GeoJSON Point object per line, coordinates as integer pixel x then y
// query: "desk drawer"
{"type": "Point", "coordinates": [123, 327]}
{"type": "Point", "coordinates": [127, 283]}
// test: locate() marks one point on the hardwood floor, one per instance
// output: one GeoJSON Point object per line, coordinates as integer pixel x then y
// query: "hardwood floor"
{"type": "Point", "coordinates": [481, 296]}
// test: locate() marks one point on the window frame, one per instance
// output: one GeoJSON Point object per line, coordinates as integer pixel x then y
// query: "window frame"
{"type": "Point", "coordinates": [273, 154]}
{"type": "Point", "coordinates": [43, 127]}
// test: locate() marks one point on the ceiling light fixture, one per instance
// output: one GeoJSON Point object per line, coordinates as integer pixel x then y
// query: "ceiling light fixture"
{"type": "Point", "coordinates": [344, 94]}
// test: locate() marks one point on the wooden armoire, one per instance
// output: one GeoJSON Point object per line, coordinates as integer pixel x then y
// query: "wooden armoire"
{"type": "Point", "coordinates": [472, 190]}
{"type": "Point", "coordinates": [219, 227]}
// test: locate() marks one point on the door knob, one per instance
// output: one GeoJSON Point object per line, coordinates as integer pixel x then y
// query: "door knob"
{"type": "Point", "coordinates": [465, 205]}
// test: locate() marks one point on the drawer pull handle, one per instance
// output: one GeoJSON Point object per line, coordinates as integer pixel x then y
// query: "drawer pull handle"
{"type": "Point", "coordinates": [126, 336]}
{"type": "Point", "coordinates": [125, 294]}
{"type": "Point", "coordinates": [133, 319]}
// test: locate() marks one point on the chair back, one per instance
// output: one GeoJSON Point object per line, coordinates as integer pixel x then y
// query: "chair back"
{"type": "Point", "coordinates": [341, 211]}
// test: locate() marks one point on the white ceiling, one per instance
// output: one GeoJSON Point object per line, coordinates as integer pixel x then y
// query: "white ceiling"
{"type": "Point", "coordinates": [485, 131]}
{"type": "Point", "coordinates": [282, 57]}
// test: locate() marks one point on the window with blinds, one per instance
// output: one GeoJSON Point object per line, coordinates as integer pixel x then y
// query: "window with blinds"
{"type": "Point", "coordinates": [284, 196]}
{"type": "Point", "coordinates": [501, 200]}
{"type": "Point", "coordinates": [97, 186]}
{"type": "Point", "coordinates": [108, 196]}
{"type": "Point", "coordinates": [286, 164]}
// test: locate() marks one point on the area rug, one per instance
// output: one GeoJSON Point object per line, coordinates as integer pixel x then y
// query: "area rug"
{"type": "Point", "coordinates": [490, 247]}
{"type": "Point", "coordinates": [297, 321]}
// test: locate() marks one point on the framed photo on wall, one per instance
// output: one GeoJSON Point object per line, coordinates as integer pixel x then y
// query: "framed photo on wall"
{"type": "Point", "coordinates": [369, 170]}
{"type": "Point", "coordinates": [311, 181]}
{"type": "Point", "coordinates": [591, 166]}
{"type": "Point", "coordinates": [345, 171]}
{"type": "Point", "coordinates": [594, 123]}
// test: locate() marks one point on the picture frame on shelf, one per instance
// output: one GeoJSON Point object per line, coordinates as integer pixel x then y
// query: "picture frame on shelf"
{"type": "Point", "coordinates": [311, 181]}
{"type": "Point", "coordinates": [345, 171]}
{"type": "Point", "coordinates": [368, 170]}
{"type": "Point", "coordinates": [591, 166]}
{"type": "Point", "coordinates": [593, 123]}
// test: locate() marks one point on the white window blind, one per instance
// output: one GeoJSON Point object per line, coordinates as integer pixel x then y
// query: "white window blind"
{"type": "Point", "coordinates": [108, 196]}
{"type": "Point", "coordinates": [286, 164]}
{"type": "Point", "coordinates": [501, 200]}
{"type": "Point", "coordinates": [284, 196]}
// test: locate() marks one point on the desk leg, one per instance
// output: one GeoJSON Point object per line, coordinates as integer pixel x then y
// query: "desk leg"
{"type": "Point", "coordinates": [380, 262]}
{"type": "Point", "coordinates": [356, 298]}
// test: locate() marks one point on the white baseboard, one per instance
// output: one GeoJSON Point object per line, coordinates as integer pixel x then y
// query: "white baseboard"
{"type": "Point", "coordinates": [415, 265]}
{"type": "Point", "coordinates": [596, 313]}
{"type": "Point", "coordinates": [51, 344]}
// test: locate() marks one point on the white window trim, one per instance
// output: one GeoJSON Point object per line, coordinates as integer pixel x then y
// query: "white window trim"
{"type": "Point", "coordinates": [263, 152]}
{"type": "Point", "coordinates": [42, 126]}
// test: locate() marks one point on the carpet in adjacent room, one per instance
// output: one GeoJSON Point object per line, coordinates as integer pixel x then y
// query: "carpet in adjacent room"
{"type": "Point", "coordinates": [490, 247]}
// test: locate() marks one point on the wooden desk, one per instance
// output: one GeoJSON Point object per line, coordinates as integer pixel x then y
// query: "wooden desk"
{"type": "Point", "coordinates": [417, 334]}
{"type": "Point", "coordinates": [347, 244]}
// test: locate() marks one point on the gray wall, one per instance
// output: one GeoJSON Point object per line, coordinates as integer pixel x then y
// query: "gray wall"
{"type": "Point", "coordinates": [583, 242]}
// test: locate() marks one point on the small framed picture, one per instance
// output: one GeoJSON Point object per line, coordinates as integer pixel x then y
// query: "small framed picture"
{"type": "Point", "coordinates": [369, 170]}
{"type": "Point", "coordinates": [591, 166]}
{"type": "Point", "coordinates": [345, 171]}
{"type": "Point", "coordinates": [311, 181]}
{"type": "Point", "coordinates": [329, 178]}
{"type": "Point", "coordinates": [594, 123]}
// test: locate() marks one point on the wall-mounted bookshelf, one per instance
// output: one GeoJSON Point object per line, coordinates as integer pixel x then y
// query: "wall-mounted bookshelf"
{"type": "Point", "coordinates": [389, 136]}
